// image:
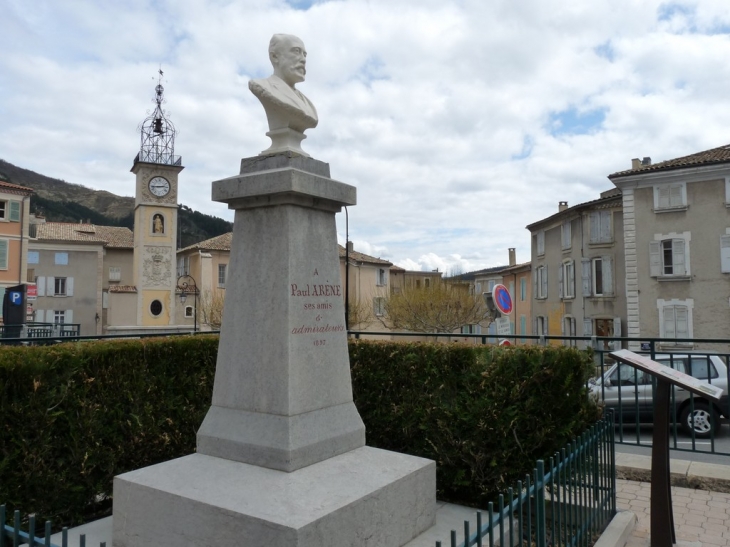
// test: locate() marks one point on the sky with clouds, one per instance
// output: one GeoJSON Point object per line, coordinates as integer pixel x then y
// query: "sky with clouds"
{"type": "Point", "coordinates": [459, 122]}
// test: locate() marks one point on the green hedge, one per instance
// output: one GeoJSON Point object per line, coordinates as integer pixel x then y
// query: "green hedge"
{"type": "Point", "coordinates": [74, 415]}
{"type": "Point", "coordinates": [484, 414]}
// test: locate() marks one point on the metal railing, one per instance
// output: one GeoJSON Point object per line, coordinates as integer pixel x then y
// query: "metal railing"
{"type": "Point", "coordinates": [13, 534]}
{"type": "Point", "coordinates": [41, 336]}
{"type": "Point", "coordinates": [17, 333]}
{"type": "Point", "coordinates": [567, 504]}
{"type": "Point", "coordinates": [633, 415]}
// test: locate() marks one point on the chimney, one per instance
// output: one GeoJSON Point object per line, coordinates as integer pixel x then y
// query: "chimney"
{"type": "Point", "coordinates": [635, 163]}
{"type": "Point", "coordinates": [350, 247]}
{"type": "Point", "coordinates": [646, 161]}
{"type": "Point", "coordinates": [512, 258]}
{"type": "Point", "coordinates": [562, 205]}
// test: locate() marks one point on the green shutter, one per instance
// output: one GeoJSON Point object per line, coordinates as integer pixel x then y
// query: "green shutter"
{"type": "Point", "coordinates": [15, 211]}
{"type": "Point", "coordinates": [3, 254]}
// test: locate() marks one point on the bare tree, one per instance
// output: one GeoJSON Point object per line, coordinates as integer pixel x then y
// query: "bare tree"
{"type": "Point", "coordinates": [440, 307]}
{"type": "Point", "coordinates": [210, 309]}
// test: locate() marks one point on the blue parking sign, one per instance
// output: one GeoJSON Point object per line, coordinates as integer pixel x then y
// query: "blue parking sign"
{"type": "Point", "coordinates": [16, 298]}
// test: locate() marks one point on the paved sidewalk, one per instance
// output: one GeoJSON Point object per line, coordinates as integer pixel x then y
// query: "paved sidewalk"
{"type": "Point", "coordinates": [701, 517]}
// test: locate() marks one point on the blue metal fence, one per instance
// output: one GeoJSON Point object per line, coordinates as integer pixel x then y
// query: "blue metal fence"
{"type": "Point", "coordinates": [13, 534]}
{"type": "Point", "coordinates": [567, 504]}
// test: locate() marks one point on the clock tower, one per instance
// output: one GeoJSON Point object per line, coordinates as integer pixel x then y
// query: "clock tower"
{"type": "Point", "coordinates": [155, 219]}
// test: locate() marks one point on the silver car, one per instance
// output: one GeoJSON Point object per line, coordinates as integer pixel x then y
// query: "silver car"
{"type": "Point", "coordinates": [629, 391]}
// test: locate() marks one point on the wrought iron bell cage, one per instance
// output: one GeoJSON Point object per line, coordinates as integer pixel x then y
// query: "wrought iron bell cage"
{"type": "Point", "coordinates": [158, 135]}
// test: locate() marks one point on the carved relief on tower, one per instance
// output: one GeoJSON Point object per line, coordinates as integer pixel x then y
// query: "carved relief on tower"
{"type": "Point", "coordinates": [157, 267]}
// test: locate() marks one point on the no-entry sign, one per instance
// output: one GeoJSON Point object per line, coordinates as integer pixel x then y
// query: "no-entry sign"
{"type": "Point", "coordinates": [502, 299]}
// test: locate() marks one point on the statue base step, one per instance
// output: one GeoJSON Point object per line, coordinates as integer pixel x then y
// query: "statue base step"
{"type": "Point", "coordinates": [366, 498]}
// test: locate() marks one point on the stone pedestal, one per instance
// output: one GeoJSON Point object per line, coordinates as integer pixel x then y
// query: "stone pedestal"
{"type": "Point", "coordinates": [281, 457]}
{"type": "Point", "coordinates": [364, 498]}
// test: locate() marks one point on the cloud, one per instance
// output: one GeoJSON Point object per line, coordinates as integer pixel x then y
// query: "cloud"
{"type": "Point", "coordinates": [460, 123]}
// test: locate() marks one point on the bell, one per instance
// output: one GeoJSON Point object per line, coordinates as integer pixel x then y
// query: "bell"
{"type": "Point", "coordinates": [157, 126]}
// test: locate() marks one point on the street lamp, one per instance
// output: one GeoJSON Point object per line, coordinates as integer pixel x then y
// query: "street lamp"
{"type": "Point", "coordinates": [186, 284]}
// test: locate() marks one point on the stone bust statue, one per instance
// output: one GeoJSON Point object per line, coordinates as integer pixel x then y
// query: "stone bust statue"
{"type": "Point", "coordinates": [288, 111]}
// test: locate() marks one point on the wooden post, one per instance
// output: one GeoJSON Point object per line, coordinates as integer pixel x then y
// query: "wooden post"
{"type": "Point", "coordinates": [662, 515]}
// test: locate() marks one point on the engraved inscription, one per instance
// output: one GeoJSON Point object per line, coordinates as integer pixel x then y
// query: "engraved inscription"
{"type": "Point", "coordinates": [316, 298]}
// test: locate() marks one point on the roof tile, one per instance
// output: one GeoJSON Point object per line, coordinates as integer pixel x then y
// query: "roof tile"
{"type": "Point", "coordinates": [707, 157]}
{"type": "Point", "coordinates": [109, 236]}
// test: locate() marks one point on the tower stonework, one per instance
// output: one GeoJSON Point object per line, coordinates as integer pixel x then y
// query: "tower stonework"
{"type": "Point", "coordinates": [155, 242]}
{"type": "Point", "coordinates": [155, 218]}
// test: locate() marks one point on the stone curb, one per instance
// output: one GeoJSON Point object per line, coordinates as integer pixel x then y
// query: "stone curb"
{"type": "Point", "coordinates": [703, 476]}
{"type": "Point", "coordinates": [618, 530]}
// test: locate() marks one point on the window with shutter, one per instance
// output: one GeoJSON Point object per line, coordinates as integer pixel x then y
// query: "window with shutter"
{"type": "Point", "coordinates": [675, 319]}
{"type": "Point", "coordinates": [566, 235]}
{"type": "Point", "coordinates": [725, 253]}
{"type": "Point", "coordinates": [566, 279]}
{"type": "Point", "coordinates": [561, 284]}
{"type": "Point", "coordinates": [663, 197]}
{"type": "Point", "coordinates": [617, 327]}
{"type": "Point", "coordinates": [586, 276]}
{"type": "Point", "coordinates": [670, 197]}
{"type": "Point", "coordinates": [540, 242]}
{"type": "Point", "coordinates": [15, 211]}
{"type": "Point", "coordinates": [669, 257]}
{"type": "Point", "coordinates": [540, 325]}
{"type": "Point", "coordinates": [607, 270]}
{"type": "Point", "coordinates": [597, 271]}
{"type": "Point", "coordinates": [541, 282]}
{"type": "Point", "coordinates": [4, 254]}
{"type": "Point", "coordinates": [655, 259]}
{"type": "Point", "coordinates": [601, 229]}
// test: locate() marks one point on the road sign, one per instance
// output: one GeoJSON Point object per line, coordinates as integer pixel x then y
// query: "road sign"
{"type": "Point", "coordinates": [502, 299]}
{"type": "Point", "coordinates": [16, 298]}
{"type": "Point", "coordinates": [505, 343]}
{"type": "Point", "coordinates": [503, 326]}
{"type": "Point", "coordinates": [31, 291]}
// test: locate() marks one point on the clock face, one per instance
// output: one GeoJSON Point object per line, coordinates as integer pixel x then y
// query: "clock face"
{"type": "Point", "coordinates": [159, 186]}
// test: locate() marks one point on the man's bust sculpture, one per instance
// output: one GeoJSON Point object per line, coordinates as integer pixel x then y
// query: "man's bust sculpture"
{"type": "Point", "coordinates": [288, 111]}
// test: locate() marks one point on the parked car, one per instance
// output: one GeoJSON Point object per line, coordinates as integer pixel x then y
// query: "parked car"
{"type": "Point", "coordinates": [628, 390]}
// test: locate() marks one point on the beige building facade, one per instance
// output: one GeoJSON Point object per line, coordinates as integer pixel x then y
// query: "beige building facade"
{"type": "Point", "coordinates": [207, 262]}
{"type": "Point", "coordinates": [577, 262]}
{"type": "Point", "coordinates": [74, 267]}
{"type": "Point", "coordinates": [676, 217]}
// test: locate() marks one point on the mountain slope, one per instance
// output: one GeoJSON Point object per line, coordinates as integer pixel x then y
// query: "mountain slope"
{"type": "Point", "coordinates": [61, 201]}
